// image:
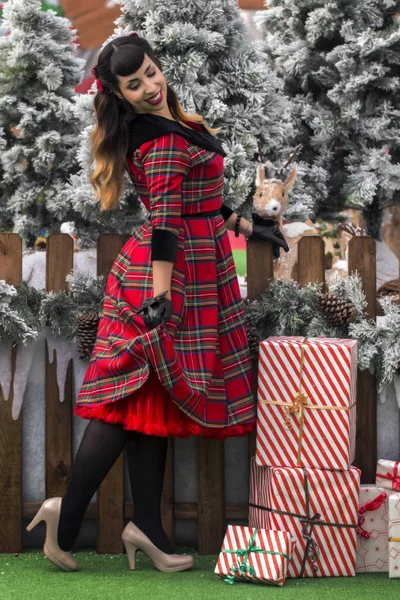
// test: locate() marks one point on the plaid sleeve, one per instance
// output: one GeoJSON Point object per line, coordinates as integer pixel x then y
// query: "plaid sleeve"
{"type": "Point", "coordinates": [166, 161]}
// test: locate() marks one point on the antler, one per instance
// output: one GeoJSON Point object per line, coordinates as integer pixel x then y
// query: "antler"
{"type": "Point", "coordinates": [354, 230]}
{"type": "Point", "coordinates": [261, 159]}
{"type": "Point", "coordinates": [289, 160]}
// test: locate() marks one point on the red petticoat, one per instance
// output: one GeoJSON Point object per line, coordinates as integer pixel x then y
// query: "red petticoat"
{"type": "Point", "coordinates": [152, 411]}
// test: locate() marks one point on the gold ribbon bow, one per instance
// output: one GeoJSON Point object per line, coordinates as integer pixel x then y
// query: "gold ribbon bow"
{"type": "Point", "coordinates": [299, 404]}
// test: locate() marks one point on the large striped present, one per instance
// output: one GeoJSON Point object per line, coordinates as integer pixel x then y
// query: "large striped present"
{"type": "Point", "coordinates": [318, 508]}
{"type": "Point", "coordinates": [254, 555]}
{"type": "Point", "coordinates": [394, 535]}
{"type": "Point", "coordinates": [306, 402]}
{"type": "Point", "coordinates": [372, 531]}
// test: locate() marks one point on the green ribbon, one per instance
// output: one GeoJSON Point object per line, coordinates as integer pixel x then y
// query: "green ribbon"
{"type": "Point", "coordinates": [312, 549]}
{"type": "Point", "coordinates": [241, 569]}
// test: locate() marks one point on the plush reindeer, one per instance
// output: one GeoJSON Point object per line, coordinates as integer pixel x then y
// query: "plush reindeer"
{"type": "Point", "coordinates": [272, 195]}
{"type": "Point", "coordinates": [269, 202]}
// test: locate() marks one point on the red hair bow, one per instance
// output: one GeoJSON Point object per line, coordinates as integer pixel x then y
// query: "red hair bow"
{"type": "Point", "coordinates": [98, 82]}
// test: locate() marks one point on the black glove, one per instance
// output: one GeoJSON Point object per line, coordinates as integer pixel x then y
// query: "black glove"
{"type": "Point", "coordinates": [267, 230]}
{"type": "Point", "coordinates": [156, 310]}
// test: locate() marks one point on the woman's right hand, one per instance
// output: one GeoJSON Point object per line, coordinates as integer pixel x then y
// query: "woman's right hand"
{"type": "Point", "coordinates": [156, 310]}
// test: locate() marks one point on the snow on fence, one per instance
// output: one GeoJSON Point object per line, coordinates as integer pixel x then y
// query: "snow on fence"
{"type": "Point", "coordinates": [110, 509]}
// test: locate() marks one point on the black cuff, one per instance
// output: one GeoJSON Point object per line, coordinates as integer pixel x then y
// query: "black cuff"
{"type": "Point", "coordinates": [164, 245]}
{"type": "Point", "coordinates": [226, 212]}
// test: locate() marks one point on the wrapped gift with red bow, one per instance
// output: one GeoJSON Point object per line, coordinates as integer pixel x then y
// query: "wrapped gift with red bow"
{"type": "Point", "coordinates": [372, 531]}
{"type": "Point", "coordinates": [254, 555]}
{"type": "Point", "coordinates": [319, 508]}
{"type": "Point", "coordinates": [388, 475]}
{"type": "Point", "coordinates": [306, 413]}
{"type": "Point", "coordinates": [394, 535]}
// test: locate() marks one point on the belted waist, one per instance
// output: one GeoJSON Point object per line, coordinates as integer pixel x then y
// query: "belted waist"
{"type": "Point", "coordinates": [210, 213]}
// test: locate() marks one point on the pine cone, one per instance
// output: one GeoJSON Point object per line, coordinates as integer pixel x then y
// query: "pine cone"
{"type": "Point", "coordinates": [86, 334]}
{"type": "Point", "coordinates": [253, 339]}
{"type": "Point", "coordinates": [337, 311]}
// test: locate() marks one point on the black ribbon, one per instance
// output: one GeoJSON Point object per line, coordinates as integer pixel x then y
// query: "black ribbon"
{"type": "Point", "coordinates": [312, 550]}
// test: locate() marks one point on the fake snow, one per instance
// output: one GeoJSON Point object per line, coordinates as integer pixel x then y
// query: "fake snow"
{"type": "Point", "coordinates": [292, 230]}
{"type": "Point", "coordinates": [63, 351]}
{"type": "Point", "coordinates": [59, 349]}
{"type": "Point", "coordinates": [396, 383]}
{"type": "Point", "coordinates": [23, 365]}
{"type": "Point", "coordinates": [5, 368]}
{"type": "Point", "coordinates": [34, 265]}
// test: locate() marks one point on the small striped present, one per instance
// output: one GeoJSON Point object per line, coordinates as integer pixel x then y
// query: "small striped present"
{"type": "Point", "coordinates": [319, 508]}
{"type": "Point", "coordinates": [306, 402]}
{"type": "Point", "coordinates": [254, 555]}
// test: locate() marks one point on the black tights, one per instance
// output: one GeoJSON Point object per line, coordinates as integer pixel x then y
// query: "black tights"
{"type": "Point", "coordinates": [100, 447]}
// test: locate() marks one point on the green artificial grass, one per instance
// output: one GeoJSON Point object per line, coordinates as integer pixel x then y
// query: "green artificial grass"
{"type": "Point", "coordinates": [31, 576]}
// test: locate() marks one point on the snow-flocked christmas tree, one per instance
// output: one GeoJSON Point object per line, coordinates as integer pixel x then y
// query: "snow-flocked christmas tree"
{"type": "Point", "coordinates": [339, 61]}
{"type": "Point", "coordinates": [207, 58]}
{"type": "Point", "coordinates": [38, 70]}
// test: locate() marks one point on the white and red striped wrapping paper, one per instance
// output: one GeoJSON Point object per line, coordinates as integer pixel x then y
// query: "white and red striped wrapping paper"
{"type": "Point", "coordinates": [268, 568]}
{"type": "Point", "coordinates": [388, 474]}
{"type": "Point", "coordinates": [372, 551]}
{"type": "Point", "coordinates": [329, 379]}
{"type": "Point", "coordinates": [394, 535]}
{"type": "Point", "coordinates": [333, 495]}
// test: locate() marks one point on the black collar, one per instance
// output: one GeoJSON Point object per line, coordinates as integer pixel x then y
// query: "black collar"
{"type": "Point", "coordinates": [146, 127]}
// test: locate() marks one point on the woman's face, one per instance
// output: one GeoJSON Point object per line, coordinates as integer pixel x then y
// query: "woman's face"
{"type": "Point", "coordinates": [146, 89]}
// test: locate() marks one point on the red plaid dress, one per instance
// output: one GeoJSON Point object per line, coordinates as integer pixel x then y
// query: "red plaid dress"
{"type": "Point", "coordinates": [194, 376]}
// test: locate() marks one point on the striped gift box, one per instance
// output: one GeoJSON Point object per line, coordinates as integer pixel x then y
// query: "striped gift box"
{"type": "Point", "coordinates": [306, 402]}
{"type": "Point", "coordinates": [318, 508]}
{"type": "Point", "coordinates": [394, 535]}
{"type": "Point", "coordinates": [254, 555]}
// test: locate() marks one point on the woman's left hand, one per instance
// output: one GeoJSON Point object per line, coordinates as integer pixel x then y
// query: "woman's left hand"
{"type": "Point", "coordinates": [267, 230]}
{"type": "Point", "coordinates": [156, 310]}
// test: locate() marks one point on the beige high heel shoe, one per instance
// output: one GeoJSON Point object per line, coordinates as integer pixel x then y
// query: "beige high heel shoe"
{"type": "Point", "coordinates": [134, 539]}
{"type": "Point", "coordinates": [50, 513]}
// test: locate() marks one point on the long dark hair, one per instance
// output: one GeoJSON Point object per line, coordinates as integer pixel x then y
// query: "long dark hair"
{"type": "Point", "coordinates": [110, 136]}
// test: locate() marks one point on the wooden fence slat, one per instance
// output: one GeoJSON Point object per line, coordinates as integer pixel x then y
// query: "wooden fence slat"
{"type": "Point", "coordinates": [10, 429]}
{"type": "Point", "coordinates": [311, 260]}
{"type": "Point", "coordinates": [58, 415]}
{"type": "Point", "coordinates": [210, 495]}
{"type": "Point", "coordinates": [260, 272]}
{"type": "Point", "coordinates": [110, 495]}
{"type": "Point", "coordinates": [362, 258]}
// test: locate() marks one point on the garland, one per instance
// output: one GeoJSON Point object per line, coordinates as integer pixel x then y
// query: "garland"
{"type": "Point", "coordinates": [25, 310]}
{"type": "Point", "coordinates": [284, 309]}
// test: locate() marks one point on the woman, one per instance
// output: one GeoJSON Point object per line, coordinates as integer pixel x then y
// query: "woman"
{"type": "Point", "coordinates": [171, 356]}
